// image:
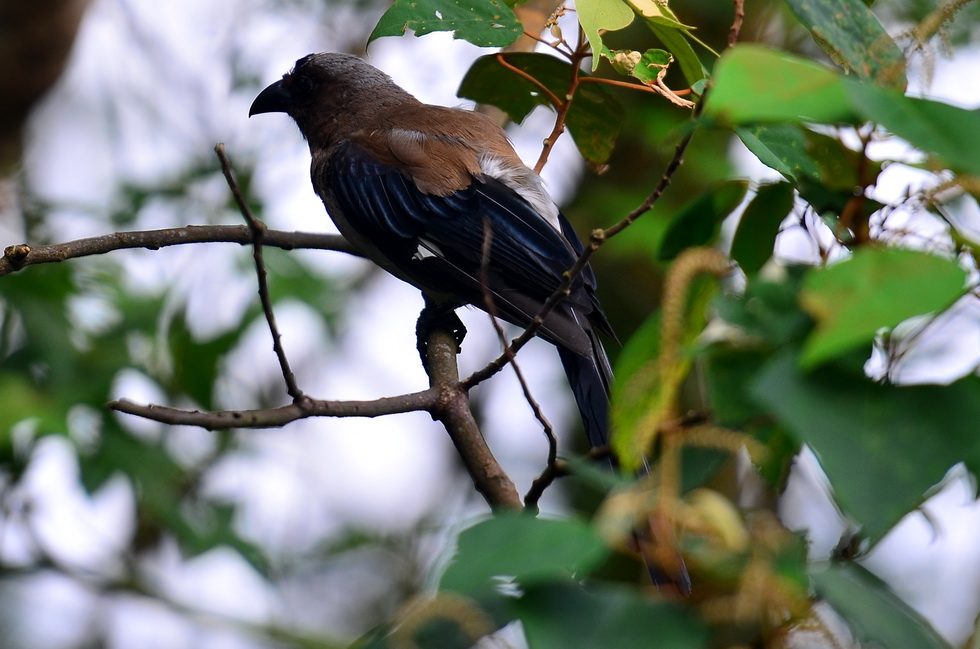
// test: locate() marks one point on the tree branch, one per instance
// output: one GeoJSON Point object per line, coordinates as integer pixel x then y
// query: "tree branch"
{"type": "Point", "coordinates": [452, 409]}
{"type": "Point", "coordinates": [258, 230]}
{"type": "Point", "coordinates": [736, 22]}
{"type": "Point", "coordinates": [447, 401]}
{"type": "Point", "coordinates": [278, 417]}
{"type": "Point", "coordinates": [18, 256]}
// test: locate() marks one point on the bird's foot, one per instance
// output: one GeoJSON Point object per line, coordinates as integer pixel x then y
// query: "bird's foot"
{"type": "Point", "coordinates": [437, 316]}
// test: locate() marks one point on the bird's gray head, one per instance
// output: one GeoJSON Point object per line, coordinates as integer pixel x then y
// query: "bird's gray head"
{"type": "Point", "coordinates": [327, 91]}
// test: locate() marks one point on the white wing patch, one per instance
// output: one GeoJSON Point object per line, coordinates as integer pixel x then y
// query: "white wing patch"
{"type": "Point", "coordinates": [426, 249]}
{"type": "Point", "coordinates": [523, 181]}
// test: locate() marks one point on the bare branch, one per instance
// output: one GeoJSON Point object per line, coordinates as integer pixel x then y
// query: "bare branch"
{"type": "Point", "coordinates": [447, 401]}
{"type": "Point", "coordinates": [278, 417]}
{"type": "Point", "coordinates": [18, 256]}
{"type": "Point", "coordinates": [258, 229]}
{"type": "Point", "coordinates": [453, 410]}
{"type": "Point", "coordinates": [737, 22]}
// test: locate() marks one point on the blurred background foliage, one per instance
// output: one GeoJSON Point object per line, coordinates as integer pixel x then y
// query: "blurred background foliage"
{"type": "Point", "coordinates": [117, 532]}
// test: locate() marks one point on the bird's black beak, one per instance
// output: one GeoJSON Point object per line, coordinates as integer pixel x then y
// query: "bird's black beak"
{"type": "Point", "coordinates": [274, 99]}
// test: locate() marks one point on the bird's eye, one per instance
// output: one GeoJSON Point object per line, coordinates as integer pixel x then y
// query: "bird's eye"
{"type": "Point", "coordinates": [303, 87]}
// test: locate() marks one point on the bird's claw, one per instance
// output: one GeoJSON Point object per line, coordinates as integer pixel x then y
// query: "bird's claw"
{"type": "Point", "coordinates": [437, 317]}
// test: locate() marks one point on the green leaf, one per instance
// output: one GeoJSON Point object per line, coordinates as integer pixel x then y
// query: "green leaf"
{"type": "Point", "coordinates": [593, 120]}
{"type": "Point", "coordinates": [641, 392]}
{"type": "Point", "coordinates": [755, 236]}
{"type": "Point", "coordinates": [824, 171]}
{"type": "Point", "coordinates": [678, 45]}
{"type": "Point", "coordinates": [951, 133]}
{"type": "Point", "coordinates": [486, 23]}
{"type": "Point", "coordinates": [657, 11]}
{"type": "Point", "coordinates": [873, 612]}
{"type": "Point", "coordinates": [196, 365]}
{"type": "Point", "coordinates": [767, 315]}
{"type": "Point", "coordinates": [698, 222]}
{"type": "Point", "coordinates": [757, 84]}
{"type": "Point", "coordinates": [166, 500]}
{"type": "Point", "coordinates": [647, 67]}
{"type": "Point", "coordinates": [21, 398]}
{"type": "Point", "coordinates": [522, 547]}
{"type": "Point", "coordinates": [780, 146]}
{"type": "Point", "coordinates": [852, 36]}
{"type": "Point", "coordinates": [596, 15]}
{"type": "Point", "coordinates": [876, 288]}
{"type": "Point", "coordinates": [727, 376]}
{"type": "Point", "coordinates": [882, 446]}
{"type": "Point", "coordinates": [559, 616]}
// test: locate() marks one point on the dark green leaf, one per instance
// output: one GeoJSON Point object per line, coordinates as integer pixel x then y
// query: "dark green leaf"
{"type": "Point", "coordinates": [874, 289]}
{"type": "Point", "coordinates": [486, 23]}
{"type": "Point", "coordinates": [699, 465]}
{"type": "Point", "coordinates": [698, 223]}
{"type": "Point", "coordinates": [852, 36]}
{"type": "Point", "coordinates": [768, 313]}
{"type": "Point", "coordinates": [882, 446]}
{"type": "Point", "coordinates": [196, 364]}
{"type": "Point", "coordinates": [949, 132]}
{"type": "Point", "coordinates": [781, 146]}
{"type": "Point", "coordinates": [165, 494]}
{"type": "Point", "coordinates": [522, 547]}
{"type": "Point", "coordinates": [755, 237]}
{"type": "Point", "coordinates": [824, 171]}
{"type": "Point", "coordinates": [594, 118]}
{"type": "Point", "coordinates": [837, 164]}
{"type": "Point", "coordinates": [648, 68]}
{"type": "Point", "coordinates": [728, 378]}
{"type": "Point", "coordinates": [875, 614]}
{"type": "Point", "coordinates": [557, 616]}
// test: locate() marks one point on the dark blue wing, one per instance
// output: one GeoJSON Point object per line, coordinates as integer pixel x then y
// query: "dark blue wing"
{"type": "Point", "coordinates": [436, 242]}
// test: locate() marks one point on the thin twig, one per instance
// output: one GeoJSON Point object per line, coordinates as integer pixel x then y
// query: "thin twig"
{"type": "Point", "coordinates": [548, 475]}
{"type": "Point", "coordinates": [553, 46]}
{"type": "Point", "coordinates": [737, 22]}
{"type": "Point", "coordinates": [447, 401]}
{"type": "Point", "coordinates": [552, 97]}
{"type": "Point", "coordinates": [21, 255]}
{"type": "Point", "coordinates": [851, 216]}
{"type": "Point", "coordinates": [675, 162]}
{"type": "Point", "coordinates": [627, 84]}
{"type": "Point", "coordinates": [562, 108]}
{"type": "Point", "coordinates": [258, 230]}
{"type": "Point", "coordinates": [452, 408]}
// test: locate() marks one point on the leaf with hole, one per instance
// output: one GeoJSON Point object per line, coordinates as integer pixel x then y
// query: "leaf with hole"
{"type": "Point", "coordinates": [485, 23]}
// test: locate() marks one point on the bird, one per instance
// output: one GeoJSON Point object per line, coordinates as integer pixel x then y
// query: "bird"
{"type": "Point", "coordinates": [418, 189]}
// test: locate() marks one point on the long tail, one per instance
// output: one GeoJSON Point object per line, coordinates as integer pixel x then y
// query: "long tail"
{"type": "Point", "coordinates": [590, 378]}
